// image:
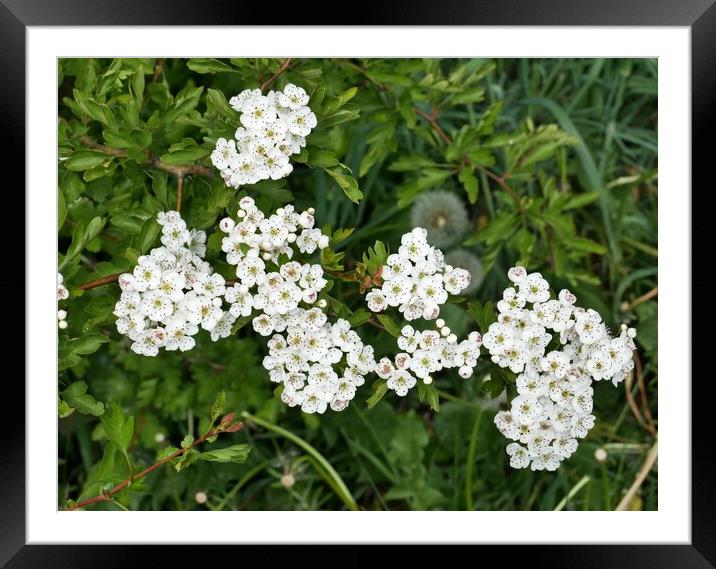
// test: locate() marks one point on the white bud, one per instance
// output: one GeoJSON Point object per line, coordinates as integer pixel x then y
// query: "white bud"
{"type": "Point", "coordinates": [287, 480]}
{"type": "Point", "coordinates": [445, 331]}
{"type": "Point", "coordinates": [62, 324]}
{"type": "Point", "coordinates": [291, 238]}
{"type": "Point", "coordinates": [200, 497]}
{"type": "Point", "coordinates": [226, 224]}
{"type": "Point", "coordinates": [241, 213]}
{"type": "Point", "coordinates": [452, 339]}
{"type": "Point", "coordinates": [322, 303]}
{"type": "Point", "coordinates": [600, 455]}
{"type": "Point", "coordinates": [465, 372]}
{"type": "Point", "coordinates": [61, 314]}
{"type": "Point", "coordinates": [440, 323]}
{"type": "Point", "coordinates": [428, 380]}
{"type": "Point", "coordinates": [159, 438]}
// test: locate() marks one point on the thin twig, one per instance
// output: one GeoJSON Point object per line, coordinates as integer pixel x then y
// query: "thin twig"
{"type": "Point", "coordinates": [107, 496]}
{"type": "Point", "coordinates": [628, 384]}
{"type": "Point", "coordinates": [432, 120]}
{"type": "Point", "coordinates": [99, 282]}
{"type": "Point", "coordinates": [643, 298]}
{"type": "Point", "coordinates": [282, 69]}
{"type": "Point", "coordinates": [180, 191]}
{"type": "Point", "coordinates": [642, 392]}
{"type": "Point", "coordinates": [159, 65]}
{"type": "Point", "coordinates": [640, 477]}
{"type": "Point", "coordinates": [151, 160]}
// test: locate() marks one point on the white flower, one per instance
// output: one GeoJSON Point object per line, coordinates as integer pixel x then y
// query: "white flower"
{"type": "Point", "coordinates": [376, 301]}
{"type": "Point", "coordinates": [401, 382]}
{"type": "Point", "coordinates": [518, 456]}
{"type": "Point", "coordinates": [224, 153]}
{"type": "Point", "coordinates": [62, 292]}
{"type": "Point", "coordinates": [534, 288]}
{"type": "Point", "coordinates": [293, 97]}
{"type": "Point", "coordinates": [301, 121]}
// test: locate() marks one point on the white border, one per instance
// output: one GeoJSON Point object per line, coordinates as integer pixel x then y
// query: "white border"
{"type": "Point", "coordinates": [670, 524]}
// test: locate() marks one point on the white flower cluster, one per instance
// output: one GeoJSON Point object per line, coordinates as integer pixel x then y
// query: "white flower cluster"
{"type": "Point", "coordinates": [62, 294]}
{"type": "Point", "coordinates": [172, 293]}
{"type": "Point", "coordinates": [304, 347]}
{"type": "Point", "coordinates": [417, 280]}
{"type": "Point", "coordinates": [427, 352]}
{"type": "Point", "coordinates": [303, 355]}
{"type": "Point", "coordinates": [554, 404]}
{"type": "Point", "coordinates": [274, 127]}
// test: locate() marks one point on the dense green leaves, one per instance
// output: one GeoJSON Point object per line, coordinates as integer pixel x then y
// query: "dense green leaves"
{"type": "Point", "coordinates": [555, 162]}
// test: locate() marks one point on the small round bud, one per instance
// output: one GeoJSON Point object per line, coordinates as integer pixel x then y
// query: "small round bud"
{"type": "Point", "coordinates": [291, 238]}
{"type": "Point", "coordinates": [445, 331]}
{"type": "Point", "coordinates": [287, 480]}
{"type": "Point", "coordinates": [241, 213]}
{"type": "Point", "coordinates": [600, 455]}
{"type": "Point", "coordinates": [62, 324]}
{"type": "Point", "coordinates": [322, 303]}
{"type": "Point", "coordinates": [266, 256]}
{"type": "Point", "coordinates": [440, 323]}
{"type": "Point", "coordinates": [226, 224]}
{"type": "Point", "coordinates": [311, 210]}
{"type": "Point", "coordinates": [452, 339]}
{"type": "Point", "coordinates": [428, 380]}
{"type": "Point", "coordinates": [200, 497]}
{"type": "Point", "coordinates": [61, 314]}
{"type": "Point", "coordinates": [159, 438]}
{"type": "Point", "coordinates": [465, 372]}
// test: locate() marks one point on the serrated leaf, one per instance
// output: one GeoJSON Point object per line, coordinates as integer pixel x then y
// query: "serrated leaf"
{"type": "Point", "coordinates": [235, 453]}
{"type": "Point", "coordinates": [380, 388]}
{"type": "Point", "coordinates": [76, 396]}
{"type": "Point", "coordinates": [347, 183]}
{"type": "Point", "coordinates": [117, 427]}
{"type": "Point", "coordinates": [85, 159]}
{"type": "Point", "coordinates": [389, 324]}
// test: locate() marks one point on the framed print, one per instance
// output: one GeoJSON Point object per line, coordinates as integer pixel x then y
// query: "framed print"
{"type": "Point", "coordinates": [399, 282]}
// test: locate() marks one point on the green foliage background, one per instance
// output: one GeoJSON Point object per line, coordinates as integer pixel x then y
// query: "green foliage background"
{"type": "Point", "coordinates": [555, 159]}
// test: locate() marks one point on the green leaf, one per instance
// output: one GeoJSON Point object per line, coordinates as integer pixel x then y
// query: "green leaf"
{"type": "Point", "coordinates": [360, 316]}
{"type": "Point", "coordinates": [117, 427]}
{"type": "Point", "coordinates": [429, 394]}
{"type": "Point", "coordinates": [148, 235]}
{"type": "Point", "coordinates": [86, 345]}
{"type": "Point", "coordinates": [380, 388]}
{"type": "Point", "coordinates": [187, 459]}
{"type": "Point", "coordinates": [215, 100]}
{"type": "Point", "coordinates": [85, 159]}
{"type": "Point", "coordinates": [205, 65]}
{"type": "Point", "coordinates": [389, 324]}
{"type": "Point", "coordinates": [235, 453]}
{"type": "Point", "coordinates": [470, 183]}
{"type": "Point", "coordinates": [76, 396]}
{"type": "Point", "coordinates": [187, 441]}
{"type": "Point", "coordinates": [61, 209]}
{"type": "Point", "coordinates": [347, 183]}
{"type": "Point", "coordinates": [217, 407]}
{"type": "Point", "coordinates": [580, 200]}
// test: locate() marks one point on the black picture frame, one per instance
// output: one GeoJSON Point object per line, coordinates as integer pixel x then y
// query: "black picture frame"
{"type": "Point", "coordinates": [17, 15]}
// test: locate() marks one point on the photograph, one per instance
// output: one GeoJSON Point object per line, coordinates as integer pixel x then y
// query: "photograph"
{"type": "Point", "coordinates": [357, 284]}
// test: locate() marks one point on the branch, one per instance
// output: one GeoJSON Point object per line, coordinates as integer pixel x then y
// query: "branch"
{"type": "Point", "coordinates": [626, 307]}
{"type": "Point", "coordinates": [151, 160]}
{"type": "Point", "coordinates": [640, 477]}
{"type": "Point", "coordinates": [99, 282]}
{"type": "Point", "coordinates": [432, 120]}
{"type": "Point", "coordinates": [180, 192]}
{"type": "Point", "coordinates": [282, 69]}
{"type": "Point", "coordinates": [224, 426]}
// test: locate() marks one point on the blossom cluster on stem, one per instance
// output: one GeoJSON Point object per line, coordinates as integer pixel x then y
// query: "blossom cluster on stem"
{"type": "Point", "coordinates": [172, 293]}
{"type": "Point", "coordinates": [557, 349]}
{"type": "Point", "coordinates": [273, 128]}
